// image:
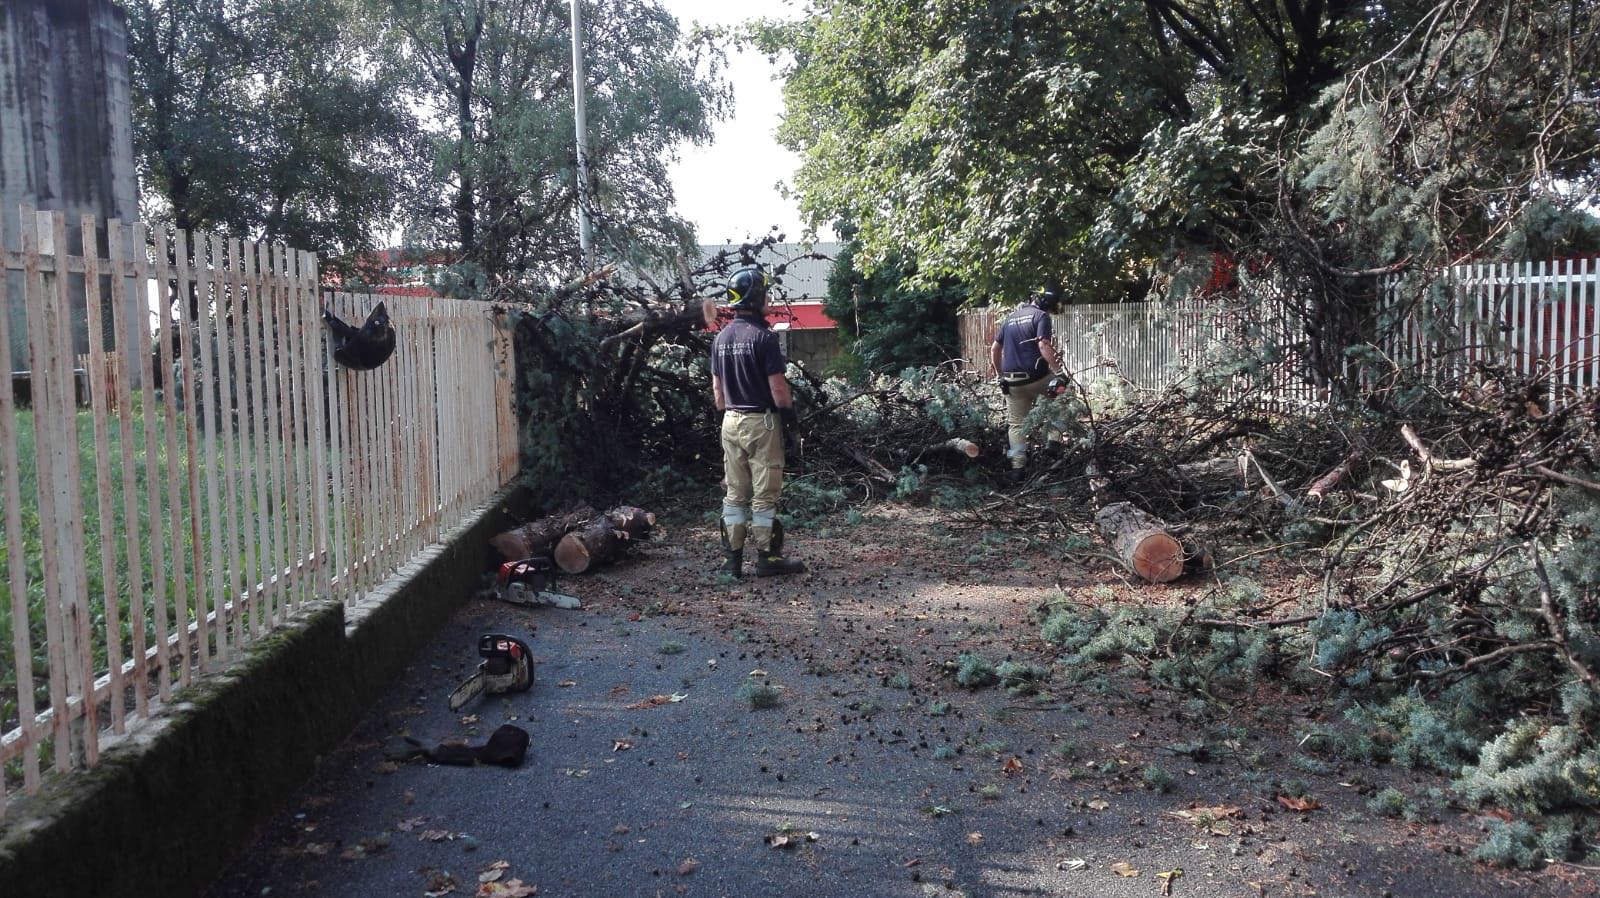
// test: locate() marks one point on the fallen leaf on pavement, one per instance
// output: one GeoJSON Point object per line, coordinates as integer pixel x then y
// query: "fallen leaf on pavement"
{"type": "Point", "coordinates": [1299, 804]}
{"type": "Point", "coordinates": [1013, 765]}
{"type": "Point", "coordinates": [439, 883]}
{"type": "Point", "coordinates": [1099, 804]}
{"type": "Point", "coordinates": [1072, 863]}
{"type": "Point", "coordinates": [621, 744]}
{"type": "Point", "coordinates": [511, 888]}
{"type": "Point", "coordinates": [566, 683]}
{"type": "Point", "coordinates": [434, 835]}
{"type": "Point", "coordinates": [1167, 878]}
{"type": "Point", "coordinates": [410, 823]}
{"type": "Point", "coordinates": [1123, 868]}
{"type": "Point", "coordinates": [974, 838]}
{"type": "Point", "coordinates": [317, 849]}
{"type": "Point", "coordinates": [654, 700]}
{"type": "Point", "coordinates": [469, 720]}
{"type": "Point", "coordinates": [758, 672]}
{"type": "Point", "coordinates": [1211, 819]}
{"type": "Point", "coordinates": [689, 865]}
{"type": "Point", "coordinates": [494, 871]}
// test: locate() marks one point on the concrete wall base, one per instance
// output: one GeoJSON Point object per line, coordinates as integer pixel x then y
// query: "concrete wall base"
{"type": "Point", "coordinates": [166, 807]}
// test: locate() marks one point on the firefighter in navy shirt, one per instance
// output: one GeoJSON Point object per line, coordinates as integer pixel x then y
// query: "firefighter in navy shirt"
{"type": "Point", "coordinates": [1024, 357]}
{"type": "Point", "coordinates": [748, 386]}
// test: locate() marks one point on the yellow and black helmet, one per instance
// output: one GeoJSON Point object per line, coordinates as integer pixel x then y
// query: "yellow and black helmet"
{"type": "Point", "coordinates": [747, 289]}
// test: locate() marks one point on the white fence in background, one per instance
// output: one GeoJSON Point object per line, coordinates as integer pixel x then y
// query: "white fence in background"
{"type": "Point", "coordinates": [152, 535]}
{"type": "Point", "coordinates": [1541, 319]}
{"type": "Point", "coordinates": [1537, 318]}
{"type": "Point", "coordinates": [1149, 346]}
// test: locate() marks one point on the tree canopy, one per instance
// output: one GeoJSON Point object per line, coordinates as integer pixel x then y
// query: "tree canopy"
{"type": "Point", "coordinates": [332, 124]}
{"type": "Point", "coordinates": [1006, 141]}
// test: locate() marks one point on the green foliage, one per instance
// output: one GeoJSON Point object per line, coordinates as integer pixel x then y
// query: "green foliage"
{"type": "Point", "coordinates": [1004, 145]}
{"type": "Point", "coordinates": [1514, 845]}
{"type": "Point", "coordinates": [895, 324]}
{"type": "Point", "coordinates": [1157, 779]}
{"type": "Point", "coordinates": [944, 753]}
{"type": "Point", "coordinates": [1390, 802]}
{"type": "Point", "coordinates": [760, 695]}
{"type": "Point", "coordinates": [975, 671]}
{"type": "Point", "coordinates": [497, 77]}
{"type": "Point", "coordinates": [1021, 677]}
{"type": "Point", "coordinates": [671, 648]}
{"type": "Point", "coordinates": [252, 119]}
{"type": "Point", "coordinates": [808, 501]}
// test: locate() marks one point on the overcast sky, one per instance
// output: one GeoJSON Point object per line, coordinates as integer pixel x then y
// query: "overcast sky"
{"type": "Point", "coordinates": [729, 188]}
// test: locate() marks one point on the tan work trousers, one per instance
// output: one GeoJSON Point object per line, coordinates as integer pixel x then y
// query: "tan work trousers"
{"type": "Point", "coordinates": [752, 467]}
{"type": "Point", "coordinates": [1019, 401]}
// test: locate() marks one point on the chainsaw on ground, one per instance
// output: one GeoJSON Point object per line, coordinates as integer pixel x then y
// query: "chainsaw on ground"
{"type": "Point", "coordinates": [507, 666]}
{"type": "Point", "coordinates": [528, 582]}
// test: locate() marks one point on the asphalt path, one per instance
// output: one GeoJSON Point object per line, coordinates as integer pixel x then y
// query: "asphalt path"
{"type": "Point", "coordinates": [650, 772]}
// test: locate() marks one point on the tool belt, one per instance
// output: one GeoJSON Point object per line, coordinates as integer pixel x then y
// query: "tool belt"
{"type": "Point", "coordinates": [1018, 378]}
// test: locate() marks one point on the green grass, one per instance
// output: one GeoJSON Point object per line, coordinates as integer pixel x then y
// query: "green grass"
{"type": "Point", "coordinates": [178, 542]}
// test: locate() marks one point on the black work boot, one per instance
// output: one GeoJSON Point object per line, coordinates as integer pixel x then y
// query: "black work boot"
{"type": "Point", "coordinates": [732, 563]}
{"type": "Point", "coordinates": [771, 564]}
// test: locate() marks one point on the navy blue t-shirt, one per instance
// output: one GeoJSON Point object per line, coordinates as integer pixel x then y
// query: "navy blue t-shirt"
{"type": "Point", "coordinates": [1019, 338]}
{"type": "Point", "coordinates": [744, 355]}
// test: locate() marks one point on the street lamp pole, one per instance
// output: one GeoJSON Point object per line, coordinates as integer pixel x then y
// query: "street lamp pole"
{"type": "Point", "coordinates": [581, 121]}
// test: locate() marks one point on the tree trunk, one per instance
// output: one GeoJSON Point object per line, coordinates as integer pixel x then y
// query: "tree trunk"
{"type": "Point", "coordinates": [1142, 542]}
{"type": "Point", "coordinates": [536, 537]}
{"type": "Point", "coordinates": [602, 539]}
{"type": "Point", "coordinates": [596, 544]}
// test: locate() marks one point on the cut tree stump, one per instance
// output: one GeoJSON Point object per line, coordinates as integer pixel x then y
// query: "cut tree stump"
{"type": "Point", "coordinates": [1142, 542]}
{"type": "Point", "coordinates": [602, 539]}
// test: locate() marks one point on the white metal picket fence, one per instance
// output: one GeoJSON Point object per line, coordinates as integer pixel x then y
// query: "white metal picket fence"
{"type": "Point", "coordinates": [150, 535]}
{"type": "Point", "coordinates": [1536, 318]}
{"type": "Point", "coordinates": [1149, 346]}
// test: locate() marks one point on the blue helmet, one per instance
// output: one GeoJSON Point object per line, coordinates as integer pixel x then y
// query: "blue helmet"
{"type": "Point", "coordinates": [747, 290]}
{"type": "Point", "coordinates": [1049, 299]}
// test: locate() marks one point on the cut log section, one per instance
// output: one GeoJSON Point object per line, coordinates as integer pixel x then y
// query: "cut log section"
{"type": "Point", "coordinates": [594, 545]}
{"type": "Point", "coordinates": [1142, 542]}
{"type": "Point", "coordinates": [602, 539]}
{"type": "Point", "coordinates": [536, 537]}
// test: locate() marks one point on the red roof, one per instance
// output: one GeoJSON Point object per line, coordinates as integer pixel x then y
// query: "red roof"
{"type": "Point", "coordinates": [800, 316]}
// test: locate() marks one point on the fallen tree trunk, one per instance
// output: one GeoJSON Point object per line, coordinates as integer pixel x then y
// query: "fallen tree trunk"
{"type": "Point", "coordinates": [1142, 542]}
{"type": "Point", "coordinates": [602, 539]}
{"type": "Point", "coordinates": [536, 537]}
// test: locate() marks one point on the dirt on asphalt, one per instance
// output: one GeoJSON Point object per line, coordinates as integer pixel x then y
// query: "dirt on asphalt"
{"type": "Point", "coordinates": [652, 770]}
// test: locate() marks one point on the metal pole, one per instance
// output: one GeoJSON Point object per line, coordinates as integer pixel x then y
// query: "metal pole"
{"type": "Point", "coordinates": [581, 120]}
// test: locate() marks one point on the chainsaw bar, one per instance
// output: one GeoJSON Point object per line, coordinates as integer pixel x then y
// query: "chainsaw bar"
{"type": "Point", "coordinates": [528, 582]}
{"type": "Point", "coordinates": [469, 691]}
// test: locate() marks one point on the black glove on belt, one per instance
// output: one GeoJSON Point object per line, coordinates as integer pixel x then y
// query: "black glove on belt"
{"type": "Point", "coordinates": [790, 419]}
